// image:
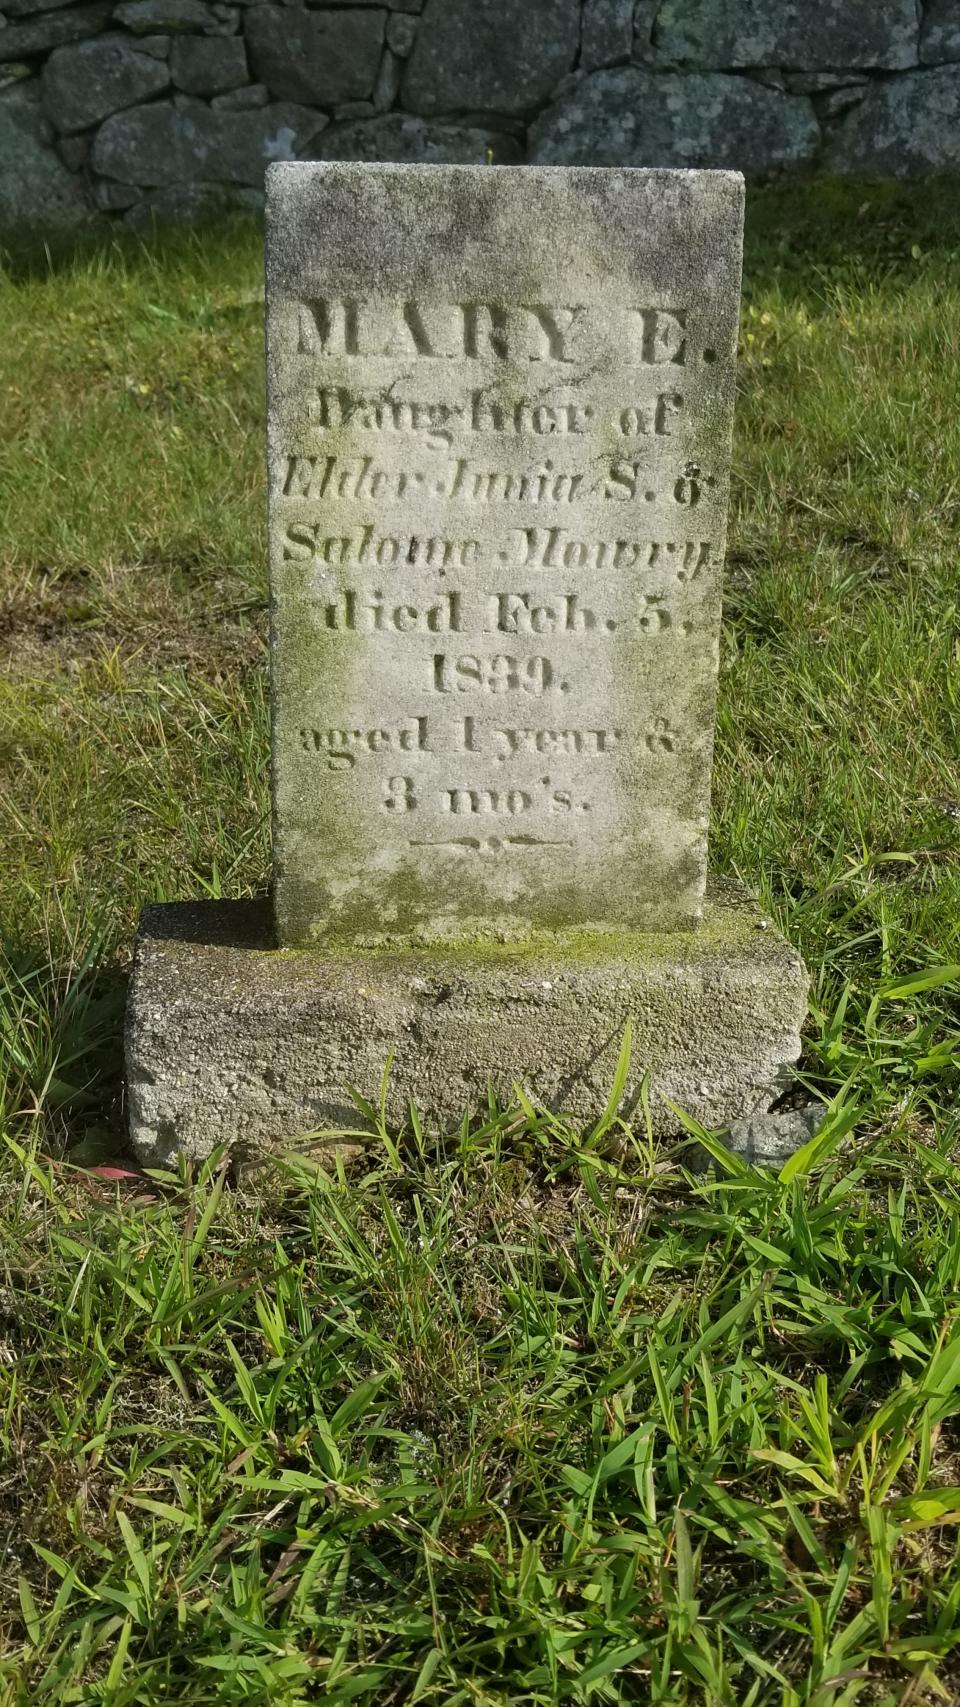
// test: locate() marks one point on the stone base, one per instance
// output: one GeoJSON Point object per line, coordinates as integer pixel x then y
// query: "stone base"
{"type": "Point", "coordinates": [232, 1040]}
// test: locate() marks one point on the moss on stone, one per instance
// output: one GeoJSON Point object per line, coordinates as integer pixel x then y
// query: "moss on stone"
{"type": "Point", "coordinates": [731, 921]}
{"type": "Point", "coordinates": [228, 1040]}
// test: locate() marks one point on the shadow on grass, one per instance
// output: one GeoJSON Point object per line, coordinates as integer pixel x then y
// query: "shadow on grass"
{"type": "Point", "coordinates": [796, 232]}
{"type": "Point", "coordinates": [95, 245]}
{"type": "Point", "coordinates": [61, 1049]}
{"type": "Point", "coordinates": [793, 227]}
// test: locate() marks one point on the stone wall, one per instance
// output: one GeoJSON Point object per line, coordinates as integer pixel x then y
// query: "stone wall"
{"type": "Point", "coordinates": [169, 109]}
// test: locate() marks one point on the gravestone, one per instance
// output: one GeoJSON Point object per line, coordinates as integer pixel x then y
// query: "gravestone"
{"type": "Point", "coordinates": [500, 405]}
{"type": "Point", "coordinates": [498, 491]}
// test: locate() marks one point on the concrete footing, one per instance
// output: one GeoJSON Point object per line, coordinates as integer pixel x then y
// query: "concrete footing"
{"type": "Point", "coordinates": [231, 1040]}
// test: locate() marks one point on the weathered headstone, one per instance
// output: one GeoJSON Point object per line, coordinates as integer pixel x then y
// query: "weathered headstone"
{"type": "Point", "coordinates": [500, 405]}
{"type": "Point", "coordinates": [499, 441]}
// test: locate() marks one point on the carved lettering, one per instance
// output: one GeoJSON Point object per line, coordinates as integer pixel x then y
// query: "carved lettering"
{"type": "Point", "coordinates": [475, 485]}
{"type": "Point", "coordinates": [368, 412]}
{"type": "Point", "coordinates": [519, 613]}
{"type": "Point", "coordinates": [490, 414]}
{"type": "Point", "coordinates": [660, 738]}
{"type": "Point", "coordinates": [556, 743]}
{"type": "Point", "coordinates": [342, 747]}
{"type": "Point", "coordinates": [482, 331]}
{"type": "Point", "coordinates": [696, 558]}
{"type": "Point", "coordinates": [364, 549]}
{"type": "Point", "coordinates": [373, 613]}
{"type": "Point", "coordinates": [660, 336]}
{"type": "Point", "coordinates": [327, 328]}
{"type": "Point", "coordinates": [534, 332]}
{"type": "Point", "coordinates": [499, 674]}
{"type": "Point", "coordinates": [410, 335]}
{"type": "Point", "coordinates": [507, 803]}
{"type": "Point", "coordinates": [557, 548]}
{"type": "Point", "coordinates": [325, 477]}
{"type": "Point", "coordinates": [399, 795]}
{"type": "Point", "coordinates": [628, 480]}
{"type": "Point", "coordinates": [319, 477]}
{"type": "Point", "coordinates": [336, 407]}
{"type": "Point", "coordinates": [622, 480]}
{"type": "Point", "coordinates": [688, 490]}
{"type": "Point", "coordinates": [656, 418]}
{"type": "Point", "coordinates": [653, 615]}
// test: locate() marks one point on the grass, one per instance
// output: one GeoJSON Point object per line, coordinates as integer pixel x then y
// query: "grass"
{"type": "Point", "coordinates": [514, 1414]}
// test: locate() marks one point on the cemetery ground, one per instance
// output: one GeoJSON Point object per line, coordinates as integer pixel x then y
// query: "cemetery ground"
{"type": "Point", "coordinates": [518, 1413]}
